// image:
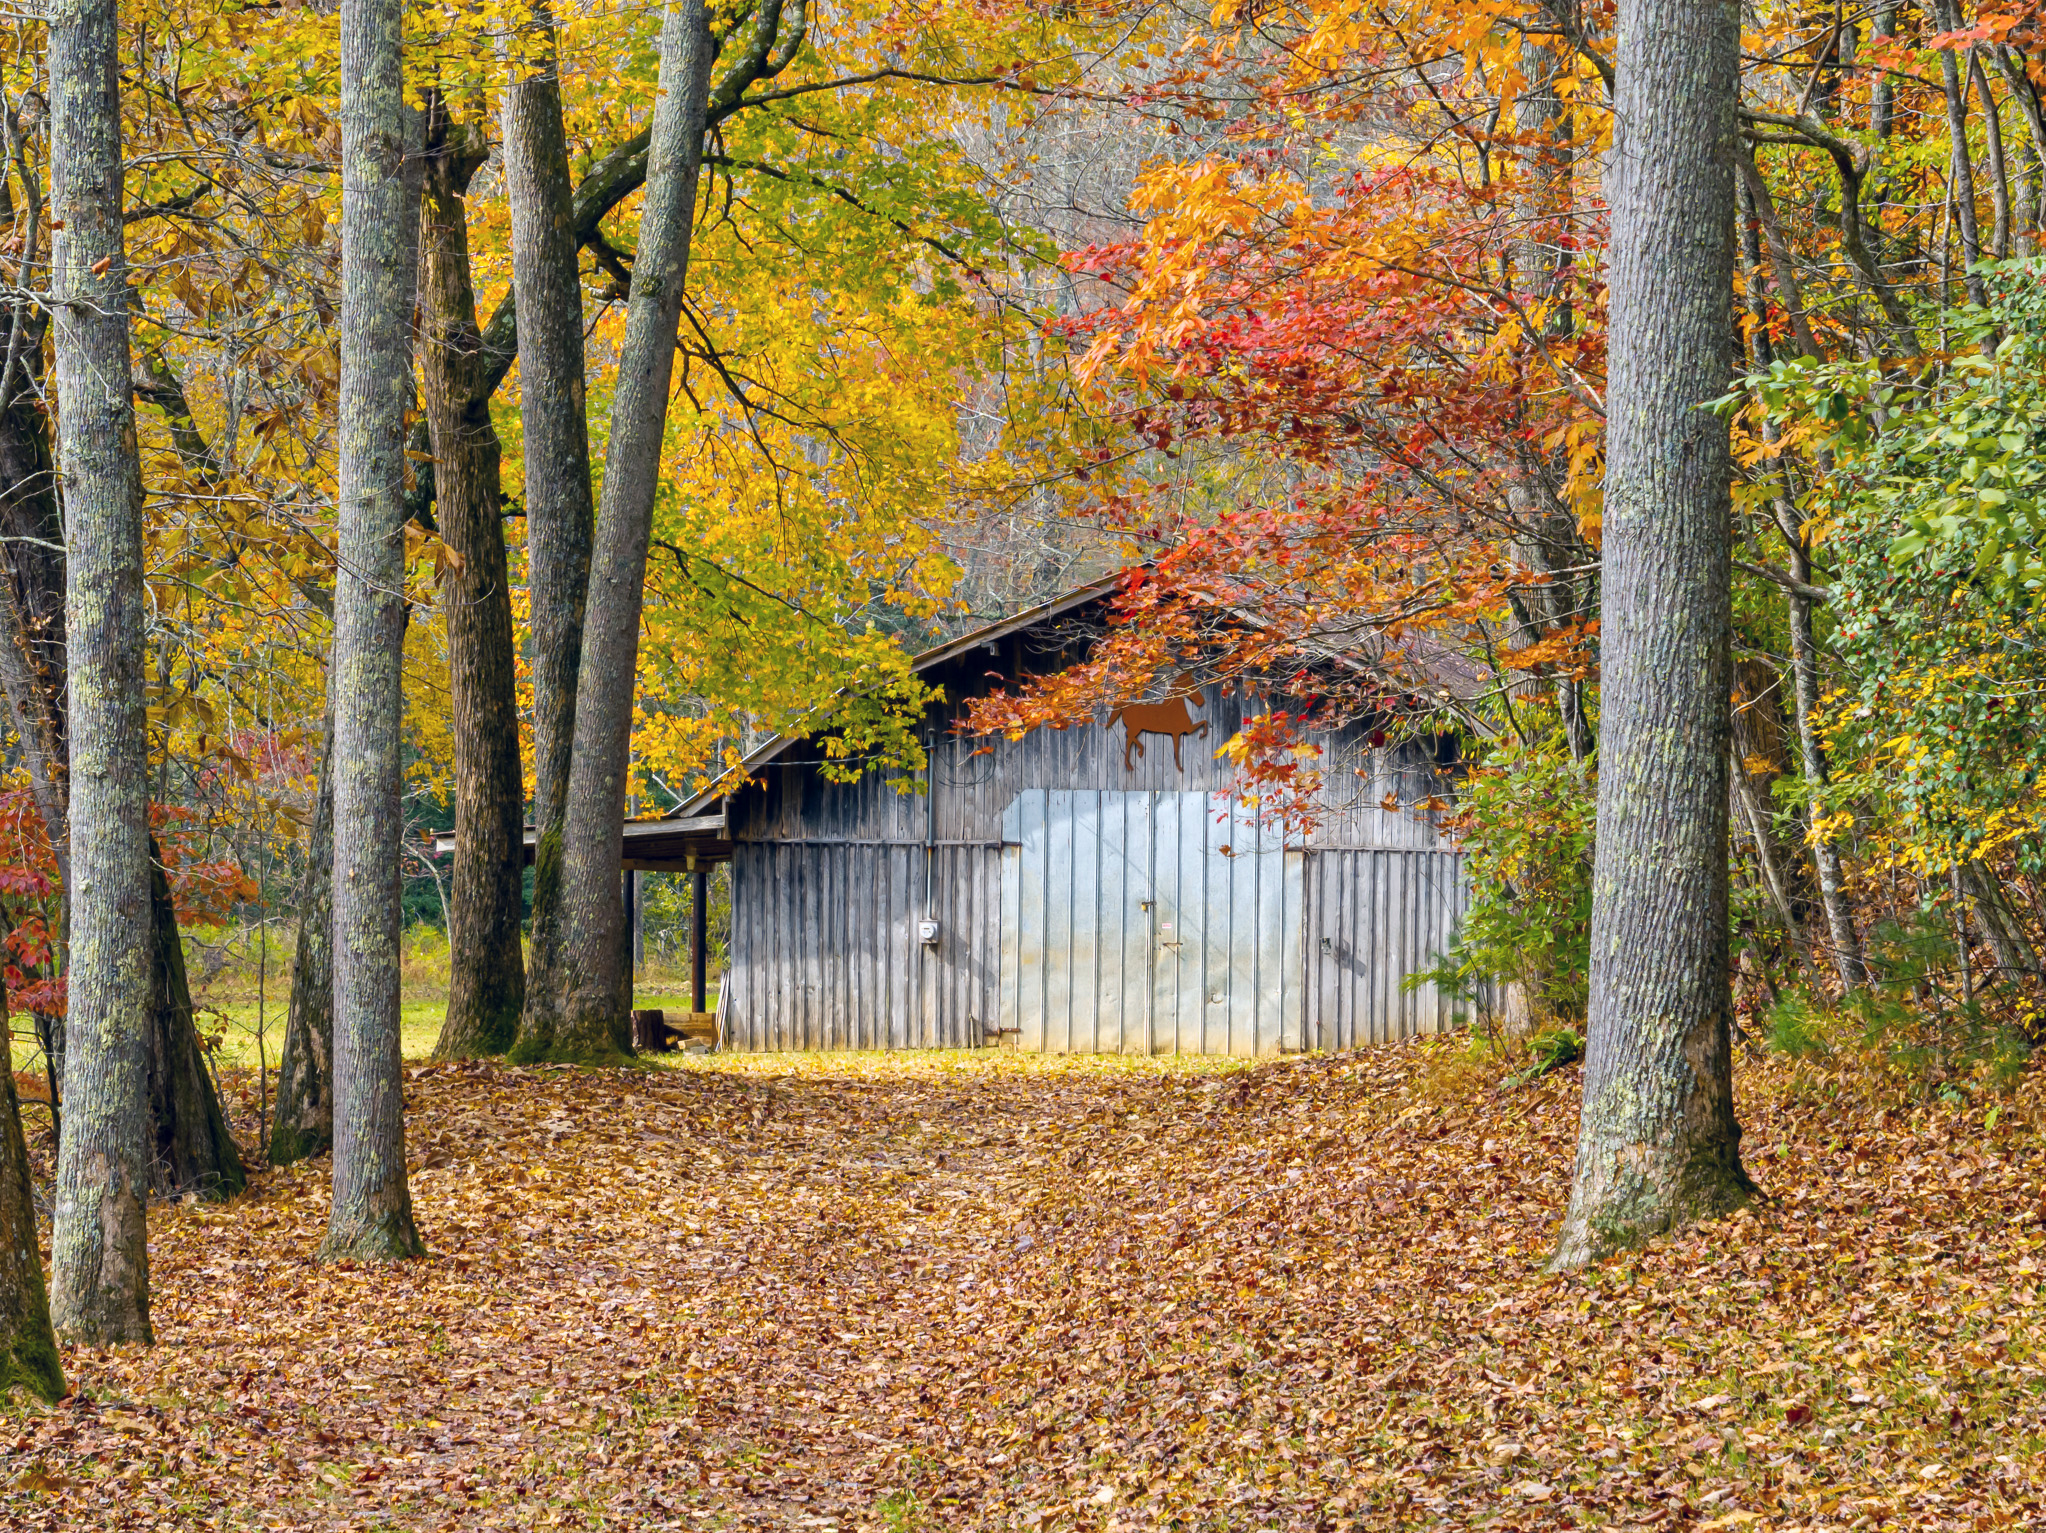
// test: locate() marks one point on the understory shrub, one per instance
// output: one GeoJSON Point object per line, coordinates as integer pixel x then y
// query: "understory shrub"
{"type": "Point", "coordinates": [1524, 823]}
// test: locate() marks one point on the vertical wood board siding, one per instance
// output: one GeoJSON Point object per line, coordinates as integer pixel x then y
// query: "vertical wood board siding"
{"type": "Point", "coordinates": [1292, 944]}
{"type": "Point", "coordinates": [1374, 917]}
{"type": "Point", "coordinates": [971, 790]}
{"type": "Point", "coordinates": [825, 955]}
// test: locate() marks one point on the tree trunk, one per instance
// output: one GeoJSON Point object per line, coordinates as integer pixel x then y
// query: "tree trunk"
{"type": "Point", "coordinates": [371, 1214]}
{"type": "Point", "coordinates": [1882, 91]}
{"type": "Point", "coordinates": [2016, 960]}
{"type": "Point", "coordinates": [303, 1123]}
{"type": "Point", "coordinates": [28, 1345]}
{"type": "Point", "coordinates": [1993, 160]}
{"type": "Point", "coordinates": [548, 289]}
{"type": "Point", "coordinates": [487, 979]}
{"type": "Point", "coordinates": [2031, 178]}
{"type": "Point", "coordinates": [1804, 670]}
{"type": "Point", "coordinates": [192, 1149]}
{"type": "Point", "coordinates": [1961, 165]}
{"type": "Point", "coordinates": [592, 1025]}
{"type": "Point", "coordinates": [32, 606]}
{"type": "Point", "coordinates": [1761, 755]}
{"type": "Point", "coordinates": [100, 1252]}
{"type": "Point", "coordinates": [1658, 1143]}
{"type": "Point", "coordinates": [1756, 211]}
{"type": "Point", "coordinates": [1548, 540]}
{"type": "Point", "coordinates": [33, 678]}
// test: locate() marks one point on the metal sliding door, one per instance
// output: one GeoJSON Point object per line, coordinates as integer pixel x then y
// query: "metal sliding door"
{"type": "Point", "coordinates": [1149, 923]}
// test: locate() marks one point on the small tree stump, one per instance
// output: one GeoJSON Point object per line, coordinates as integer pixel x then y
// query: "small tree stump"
{"type": "Point", "coordinates": [651, 1033]}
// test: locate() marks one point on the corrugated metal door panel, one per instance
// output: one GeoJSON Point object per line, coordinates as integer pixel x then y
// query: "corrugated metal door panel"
{"type": "Point", "coordinates": [1286, 957]}
{"type": "Point", "coordinates": [1125, 926]}
{"type": "Point", "coordinates": [1126, 884]}
{"type": "Point", "coordinates": [1009, 1005]}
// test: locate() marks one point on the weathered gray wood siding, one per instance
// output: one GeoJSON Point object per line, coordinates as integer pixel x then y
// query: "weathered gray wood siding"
{"type": "Point", "coordinates": [973, 789]}
{"type": "Point", "coordinates": [825, 951]}
{"type": "Point", "coordinates": [1374, 917]}
{"type": "Point", "coordinates": [828, 889]}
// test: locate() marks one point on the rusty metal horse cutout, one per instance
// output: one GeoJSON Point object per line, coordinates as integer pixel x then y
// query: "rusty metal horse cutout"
{"type": "Point", "coordinates": [1167, 718]}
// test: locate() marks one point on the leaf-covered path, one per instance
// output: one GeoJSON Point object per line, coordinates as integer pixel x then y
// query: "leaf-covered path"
{"type": "Point", "coordinates": [989, 1291]}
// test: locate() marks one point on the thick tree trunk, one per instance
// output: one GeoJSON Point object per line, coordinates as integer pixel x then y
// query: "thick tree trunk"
{"type": "Point", "coordinates": [192, 1149]}
{"type": "Point", "coordinates": [32, 603]}
{"type": "Point", "coordinates": [548, 289]}
{"type": "Point", "coordinates": [100, 1252]}
{"type": "Point", "coordinates": [33, 677]}
{"type": "Point", "coordinates": [1658, 1142]}
{"type": "Point", "coordinates": [371, 1213]}
{"type": "Point", "coordinates": [303, 1124]}
{"type": "Point", "coordinates": [592, 1025]}
{"type": "Point", "coordinates": [487, 981]}
{"type": "Point", "coordinates": [28, 1345]}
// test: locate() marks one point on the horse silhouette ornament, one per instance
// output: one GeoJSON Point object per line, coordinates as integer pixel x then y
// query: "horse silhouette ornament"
{"type": "Point", "coordinates": [1167, 718]}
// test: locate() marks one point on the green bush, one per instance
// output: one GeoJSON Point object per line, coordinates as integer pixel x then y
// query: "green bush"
{"type": "Point", "coordinates": [1524, 822]}
{"type": "Point", "coordinates": [1794, 1026]}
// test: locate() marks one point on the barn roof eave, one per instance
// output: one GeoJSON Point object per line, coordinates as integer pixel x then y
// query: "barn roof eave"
{"type": "Point", "coordinates": [991, 633]}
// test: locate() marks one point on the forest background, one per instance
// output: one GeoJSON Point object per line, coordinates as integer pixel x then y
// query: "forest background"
{"type": "Point", "coordinates": [1300, 308]}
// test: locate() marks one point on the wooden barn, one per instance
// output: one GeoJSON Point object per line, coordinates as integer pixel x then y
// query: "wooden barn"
{"type": "Point", "coordinates": [1091, 889]}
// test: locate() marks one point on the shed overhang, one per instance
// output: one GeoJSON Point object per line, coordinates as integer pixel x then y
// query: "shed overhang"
{"type": "Point", "coordinates": [649, 846]}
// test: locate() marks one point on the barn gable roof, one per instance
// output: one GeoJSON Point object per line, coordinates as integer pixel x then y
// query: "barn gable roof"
{"type": "Point", "coordinates": [698, 827]}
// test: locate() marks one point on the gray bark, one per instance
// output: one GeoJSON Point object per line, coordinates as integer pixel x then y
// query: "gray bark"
{"type": "Point", "coordinates": [190, 1155]}
{"type": "Point", "coordinates": [28, 1345]}
{"type": "Point", "coordinates": [1960, 164]}
{"type": "Point", "coordinates": [487, 979]}
{"type": "Point", "coordinates": [191, 1149]}
{"type": "Point", "coordinates": [303, 1124]}
{"type": "Point", "coordinates": [1658, 1143]}
{"type": "Point", "coordinates": [99, 1247]}
{"type": "Point", "coordinates": [2031, 176]}
{"type": "Point", "coordinates": [592, 1024]}
{"type": "Point", "coordinates": [1993, 159]}
{"type": "Point", "coordinates": [371, 1213]}
{"type": "Point", "coordinates": [2016, 960]}
{"type": "Point", "coordinates": [1757, 208]}
{"type": "Point", "coordinates": [1882, 95]}
{"type": "Point", "coordinates": [1806, 686]}
{"type": "Point", "coordinates": [548, 290]}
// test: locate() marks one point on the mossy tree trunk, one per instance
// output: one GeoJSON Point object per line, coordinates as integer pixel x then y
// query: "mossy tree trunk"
{"type": "Point", "coordinates": [548, 290]}
{"type": "Point", "coordinates": [302, 1124]}
{"type": "Point", "coordinates": [592, 1024]}
{"type": "Point", "coordinates": [191, 1149]}
{"type": "Point", "coordinates": [371, 1213]}
{"type": "Point", "coordinates": [100, 1251]}
{"type": "Point", "coordinates": [28, 1344]}
{"type": "Point", "coordinates": [196, 1156]}
{"type": "Point", "coordinates": [1658, 1142]}
{"type": "Point", "coordinates": [487, 979]}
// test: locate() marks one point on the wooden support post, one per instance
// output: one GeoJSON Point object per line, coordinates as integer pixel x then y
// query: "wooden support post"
{"type": "Point", "coordinates": [638, 920]}
{"type": "Point", "coordinates": [629, 895]}
{"type": "Point", "coordinates": [699, 888]}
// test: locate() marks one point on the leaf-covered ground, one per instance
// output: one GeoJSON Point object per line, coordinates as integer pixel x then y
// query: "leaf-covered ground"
{"type": "Point", "coordinates": [987, 1291]}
